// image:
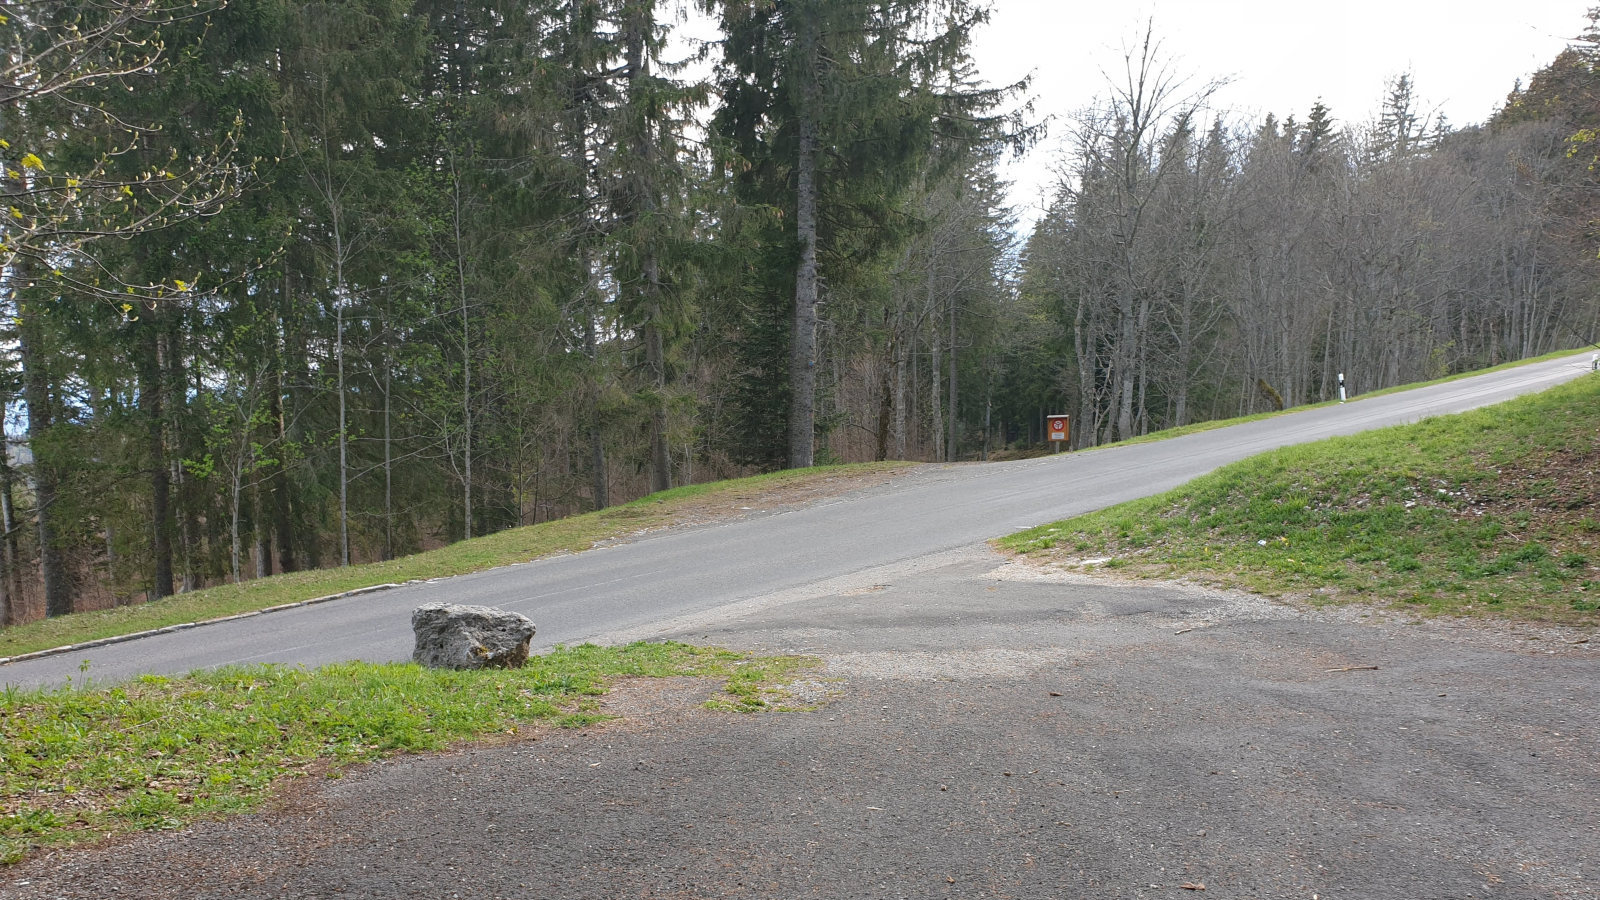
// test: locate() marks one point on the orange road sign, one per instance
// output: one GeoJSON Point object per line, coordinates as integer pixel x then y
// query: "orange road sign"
{"type": "Point", "coordinates": [1059, 427]}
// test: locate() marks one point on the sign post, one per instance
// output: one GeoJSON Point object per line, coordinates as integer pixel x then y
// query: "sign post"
{"type": "Point", "coordinates": [1060, 428]}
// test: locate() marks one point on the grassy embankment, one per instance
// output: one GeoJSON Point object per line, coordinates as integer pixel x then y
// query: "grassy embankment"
{"type": "Point", "coordinates": [1493, 512]}
{"type": "Point", "coordinates": [504, 548]}
{"type": "Point", "coordinates": [1224, 423]}
{"type": "Point", "coordinates": [1214, 424]}
{"type": "Point", "coordinates": [80, 764]}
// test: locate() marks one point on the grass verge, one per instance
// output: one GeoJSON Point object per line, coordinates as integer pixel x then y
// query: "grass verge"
{"type": "Point", "coordinates": [1214, 424]}
{"type": "Point", "coordinates": [85, 763]}
{"type": "Point", "coordinates": [504, 548]}
{"type": "Point", "coordinates": [1493, 512]}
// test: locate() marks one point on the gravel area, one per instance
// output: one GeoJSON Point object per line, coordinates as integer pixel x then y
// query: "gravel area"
{"type": "Point", "coordinates": [987, 730]}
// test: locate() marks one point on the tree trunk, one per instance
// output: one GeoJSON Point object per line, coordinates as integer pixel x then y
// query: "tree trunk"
{"type": "Point", "coordinates": [235, 501]}
{"type": "Point", "coordinates": [1180, 415]}
{"type": "Point", "coordinates": [885, 408]}
{"type": "Point", "coordinates": [1088, 404]}
{"type": "Point", "coordinates": [600, 484]}
{"type": "Point", "coordinates": [950, 449]}
{"type": "Point", "coordinates": [262, 529]}
{"type": "Point", "coordinates": [935, 400]}
{"type": "Point", "coordinates": [186, 517]}
{"type": "Point", "coordinates": [988, 411]}
{"type": "Point", "coordinates": [803, 346]}
{"type": "Point", "coordinates": [258, 384]}
{"type": "Point", "coordinates": [935, 364]}
{"type": "Point", "coordinates": [36, 392]}
{"type": "Point", "coordinates": [388, 458]}
{"type": "Point", "coordinates": [152, 391]}
{"type": "Point", "coordinates": [899, 347]}
{"type": "Point", "coordinates": [344, 453]}
{"type": "Point", "coordinates": [36, 395]}
{"type": "Point", "coordinates": [644, 206]}
{"type": "Point", "coordinates": [466, 354]}
{"type": "Point", "coordinates": [10, 568]}
{"type": "Point", "coordinates": [301, 510]}
{"type": "Point", "coordinates": [278, 478]}
{"type": "Point", "coordinates": [1127, 344]}
{"type": "Point", "coordinates": [656, 360]}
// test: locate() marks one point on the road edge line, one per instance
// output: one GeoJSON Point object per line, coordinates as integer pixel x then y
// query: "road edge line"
{"type": "Point", "coordinates": [185, 626]}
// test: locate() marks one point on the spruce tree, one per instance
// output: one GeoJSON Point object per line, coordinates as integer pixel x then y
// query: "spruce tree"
{"type": "Point", "coordinates": [829, 110]}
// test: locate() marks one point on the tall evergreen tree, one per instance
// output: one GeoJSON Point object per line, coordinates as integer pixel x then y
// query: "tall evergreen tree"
{"type": "Point", "coordinates": [830, 110]}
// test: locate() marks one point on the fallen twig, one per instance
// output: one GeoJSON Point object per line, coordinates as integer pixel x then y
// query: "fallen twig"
{"type": "Point", "coordinates": [1352, 669]}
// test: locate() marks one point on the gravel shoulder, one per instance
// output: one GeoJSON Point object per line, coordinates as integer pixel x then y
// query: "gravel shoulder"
{"type": "Point", "coordinates": [990, 730]}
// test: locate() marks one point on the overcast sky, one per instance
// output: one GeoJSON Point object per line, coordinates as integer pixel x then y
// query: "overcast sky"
{"type": "Point", "coordinates": [1278, 56]}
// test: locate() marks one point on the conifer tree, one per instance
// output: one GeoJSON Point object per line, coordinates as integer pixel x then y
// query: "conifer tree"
{"type": "Point", "coordinates": [829, 110]}
{"type": "Point", "coordinates": [653, 222]}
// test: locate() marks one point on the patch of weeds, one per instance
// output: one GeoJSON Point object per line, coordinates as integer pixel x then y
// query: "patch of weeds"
{"type": "Point", "coordinates": [29, 821]}
{"type": "Point", "coordinates": [764, 685]}
{"type": "Point", "coordinates": [80, 763]}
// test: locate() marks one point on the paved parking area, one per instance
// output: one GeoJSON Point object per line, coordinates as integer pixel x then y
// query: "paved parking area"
{"type": "Point", "coordinates": [990, 732]}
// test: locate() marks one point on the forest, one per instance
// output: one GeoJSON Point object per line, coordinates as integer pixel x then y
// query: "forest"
{"type": "Point", "coordinates": [291, 284]}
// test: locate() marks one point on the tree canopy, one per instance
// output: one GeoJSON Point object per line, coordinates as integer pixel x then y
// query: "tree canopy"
{"type": "Point", "coordinates": [297, 283]}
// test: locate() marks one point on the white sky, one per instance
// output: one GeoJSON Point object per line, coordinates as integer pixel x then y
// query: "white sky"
{"type": "Point", "coordinates": [1278, 56]}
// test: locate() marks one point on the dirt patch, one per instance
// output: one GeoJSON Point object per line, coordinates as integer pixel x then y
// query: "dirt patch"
{"type": "Point", "coordinates": [635, 699]}
{"type": "Point", "coordinates": [1557, 492]}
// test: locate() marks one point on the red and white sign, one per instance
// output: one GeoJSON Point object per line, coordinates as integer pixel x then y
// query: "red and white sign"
{"type": "Point", "coordinates": [1058, 427]}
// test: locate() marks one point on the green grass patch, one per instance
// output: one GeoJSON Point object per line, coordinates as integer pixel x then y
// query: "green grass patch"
{"type": "Point", "coordinates": [1490, 512]}
{"type": "Point", "coordinates": [78, 764]}
{"type": "Point", "coordinates": [503, 548]}
{"type": "Point", "coordinates": [1214, 424]}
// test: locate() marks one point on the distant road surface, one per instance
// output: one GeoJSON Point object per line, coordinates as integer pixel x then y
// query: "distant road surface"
{"type": "Point", "coordinates": [624, 589]}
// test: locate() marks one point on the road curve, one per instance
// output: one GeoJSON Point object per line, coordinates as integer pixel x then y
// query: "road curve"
{"type": "Point", "coordinates": [624, 588]}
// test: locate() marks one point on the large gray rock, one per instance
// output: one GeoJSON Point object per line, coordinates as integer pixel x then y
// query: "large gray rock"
{"type": "Point", "coordinates": [451, 636]}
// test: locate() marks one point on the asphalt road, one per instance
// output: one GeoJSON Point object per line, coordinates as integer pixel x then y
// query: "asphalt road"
{"type": "Point", "coordinates": [989, 731]}
{"type": "Point", "coordinates": [628, 590]}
